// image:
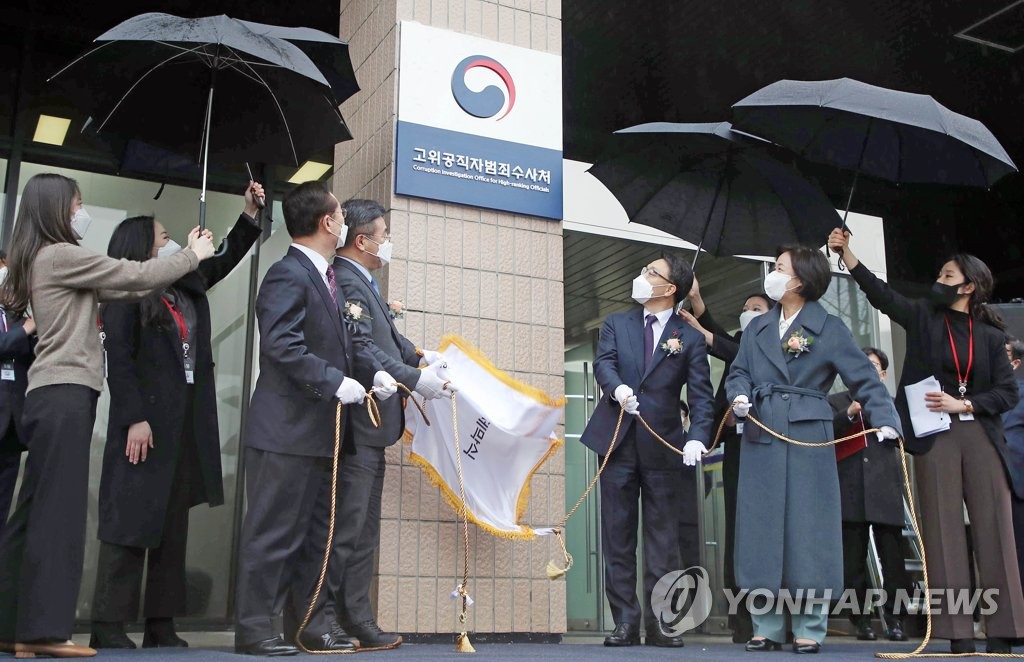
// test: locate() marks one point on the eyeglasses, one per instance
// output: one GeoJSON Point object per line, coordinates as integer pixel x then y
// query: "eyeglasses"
{"type": "Point", "coordinates": [650, 270]}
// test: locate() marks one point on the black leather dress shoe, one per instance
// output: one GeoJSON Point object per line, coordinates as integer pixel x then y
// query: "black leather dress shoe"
{"type": "Point", "coordinates": [896, 632]}
{"type": "Point", "coordinates": [997, 645]}
{"type": "Point", "coordinates": [327, 642]}
{"type": "Point", "coordinates": [273, 647]}
{"type": "Point", "coordinates": [806, 649]}
{"type": "Point", "coordinates": [160, 633]}
{"type": "Point", "coordinates": [864, 630]}
{"type": "Point", "coordinates": [659, 638]}
{"type": "Point", "coordinates": [961, 646]}
{"type": "Point", "coordinates": [109, 634]}
{"type": "Point", "coordinates": [624, 634]}
{"type": "Point", "coordinates": [762, 645]}
{"type": "Point", "coordinates": [371, 638]}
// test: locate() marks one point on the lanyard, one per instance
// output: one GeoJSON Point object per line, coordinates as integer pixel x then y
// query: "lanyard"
{"type": "Point", "coordinates": [180, 321]}
{"type": "Point", "coordinates": [962, 378]}
{"type": "Point", "coordinates": [3, 315]}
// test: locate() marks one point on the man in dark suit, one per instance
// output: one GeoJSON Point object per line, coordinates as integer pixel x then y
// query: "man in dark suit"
{"type": "Point", "coordinates": [871, 496]}
{"type": "Point", "coordinates": [361, 478]}
{"type": "Point", "coordinates": [308, 362]}
{"type": "Point", "coordinates": [644, 358]}
{"type": "Point", "coordinates": [17, 340]}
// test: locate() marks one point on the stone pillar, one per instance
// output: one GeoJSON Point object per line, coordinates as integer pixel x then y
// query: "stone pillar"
{"type": "Point", "coordinates": [495, 279]}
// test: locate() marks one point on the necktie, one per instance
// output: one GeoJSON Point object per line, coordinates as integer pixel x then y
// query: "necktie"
{"type": "Point", "coordinates": [649, 340]}
{"type": "Point", "coordinates": [332, 286]}
{"type": "Point", "coordinates": [373, 284]}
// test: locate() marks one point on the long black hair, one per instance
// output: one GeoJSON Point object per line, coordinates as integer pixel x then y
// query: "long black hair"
{"type": "Point", "coordinates": [44, 218]}
{"type": "Point", "coordinates": [133, 239]}
{"type": "Point", "coordinates": [977, 272]}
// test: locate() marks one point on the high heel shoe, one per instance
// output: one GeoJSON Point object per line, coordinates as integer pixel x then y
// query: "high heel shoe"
{"type": "Point", "coordinates": [762, 645]}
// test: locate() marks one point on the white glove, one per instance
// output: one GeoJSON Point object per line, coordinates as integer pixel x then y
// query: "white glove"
{"type": "Point", "coordinates": [350, 392]}
{"type": "Point", "coordinates": [429, 357]}
{"type": "Point", "coordinates": [693, 451]}
{"type": "Point", "coordinates": [741, 406]}
{"type": "Point", "coordinates": [887, 433]}
{"type": "Point", "coordinates": [384, 385]}
{"type": "Point", "coordinates": [624, 396]}
{"type": "Point", "coordinates": [429, 385]}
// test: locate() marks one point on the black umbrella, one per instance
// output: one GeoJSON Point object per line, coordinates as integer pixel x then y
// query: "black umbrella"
{"type": "Point", "coordinates": [896, 136]}
{"type": "Point", "coordinates": [213, 86]}
{"type": "Point", "coordinates": [711, 186]}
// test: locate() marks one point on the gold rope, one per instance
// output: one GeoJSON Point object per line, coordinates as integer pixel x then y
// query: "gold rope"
{"type": "Point", "coordinates": [330, 540]}
{"type": "Point", "coordinates": [374, 412]}
{"type": "Point", "coordinates": [462, 644]}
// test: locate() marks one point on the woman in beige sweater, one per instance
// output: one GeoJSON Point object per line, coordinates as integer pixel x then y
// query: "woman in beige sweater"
{"type": "Point", "coordinates": [42, 546]}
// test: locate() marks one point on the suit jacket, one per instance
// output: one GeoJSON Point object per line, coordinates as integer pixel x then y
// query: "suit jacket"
{"type": "Point", "coordinates": [147, 383]}
{"type": "Point", "coordinates": [392, 352]}
{"type": "Point", "coordinates": [305, 353]}
{"type": "Point", "coordinates": [788, 526]}
{"type": "Point", "coordinates": [16, 346]}
{"type": "Point", "coordinates": [993, 389]}
{"type": "Point", "coordinates": [620, 360]}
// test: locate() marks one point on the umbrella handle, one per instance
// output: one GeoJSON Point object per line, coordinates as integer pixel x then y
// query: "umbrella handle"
{"type": "Point", "coordinates": [223, 248]}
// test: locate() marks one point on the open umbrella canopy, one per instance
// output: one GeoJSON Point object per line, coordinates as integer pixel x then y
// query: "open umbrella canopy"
{"type": "Point", "coordinates": [897, 136]}
{"type": "Point", "coordinates": [166, 79]}
{"type": "Point", "coordinates": [714, 187]}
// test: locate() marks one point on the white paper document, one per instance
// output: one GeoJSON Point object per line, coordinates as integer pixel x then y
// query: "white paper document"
{"type": "Point", "coordinates": [925, 421]}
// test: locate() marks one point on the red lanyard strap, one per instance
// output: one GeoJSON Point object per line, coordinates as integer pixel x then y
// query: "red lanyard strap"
{"type": "Point", "coordinates": [956, 357]}
{"type": "Point", "coordinates": [179, 319]}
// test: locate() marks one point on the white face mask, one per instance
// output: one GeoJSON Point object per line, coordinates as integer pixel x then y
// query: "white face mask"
{"type": "Point", "coordinates": [643, 291]}
{"type": "Point", "coordinates": [341, 236]}
{"type": "Point", "coordinates": [170, 248]}
{"type": "Point", "coordinates": [746, 316]}
{"type": "Point", "coordinates": [383, 250]}
{"type": "Point", "coordinates": [775, 285]}
{"type": "Point", "coordinates": [80, 223]}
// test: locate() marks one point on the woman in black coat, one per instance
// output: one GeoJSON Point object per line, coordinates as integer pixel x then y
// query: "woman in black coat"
{"type": "Point", "coordinates": [956, 338]}
{"type": "Point", "coordinates": [163, 445]}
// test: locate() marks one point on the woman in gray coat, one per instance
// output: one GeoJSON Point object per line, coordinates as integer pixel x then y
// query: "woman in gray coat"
{"type": "Point", "coordinates": [788, 519]}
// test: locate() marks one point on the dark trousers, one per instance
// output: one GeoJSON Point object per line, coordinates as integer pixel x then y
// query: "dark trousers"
{"type": "Point", "coordinates": [9, 465]}
{"type": "Point", "coordinates": [119, 570]}
{"type": "Point", "coordinates": [740, 622]}
{"type": "Point", "coordinates": [1018, 533]}
{"type": "Point", "coordinates": [43, 545]}
{"type": "Point", "coordinates": [284, 535]}
{"type": "Point", "coordinates": [357, 534]}
{"type": "Point", "coordinates": [625, 485]}
{"type": "Point", "coordinates": [889, 544]}
{"type": "Point", "coordinates": [689, 533]}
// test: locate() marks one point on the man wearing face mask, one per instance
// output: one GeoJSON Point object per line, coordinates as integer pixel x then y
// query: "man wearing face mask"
{"type": "Point", "coordinates": [368, 249]}
{"type": "Point", "coordinates": [871, 497]}
{"type": "Point", "coordinates": [724, 346]}
{"type": "Point", "coordinates": [644, 358]}
{"type": "Point", "coordinates": [309, 362]}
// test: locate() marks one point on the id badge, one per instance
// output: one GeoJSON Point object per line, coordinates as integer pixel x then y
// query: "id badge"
{"type": "Point", "coordinates": [7, 371]}
{"type": "Point", "coordinates": [966, 417]}
{"type": "Point", "coordinates": [190, 375]}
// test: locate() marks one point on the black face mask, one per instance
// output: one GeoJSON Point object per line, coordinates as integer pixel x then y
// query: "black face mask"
{"type": "Point", "coordinates": [945, 295]}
